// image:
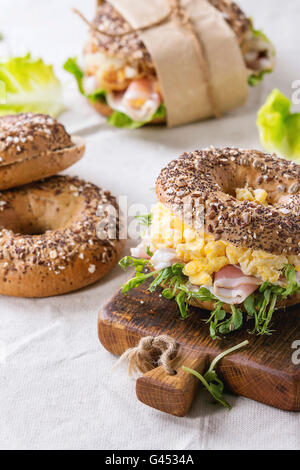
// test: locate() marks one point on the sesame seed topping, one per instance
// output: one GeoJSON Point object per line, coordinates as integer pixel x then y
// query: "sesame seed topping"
{"type": "Point", "coordinates": [92, 268]}
{"type": "Point", "coordinates": [27, 135]}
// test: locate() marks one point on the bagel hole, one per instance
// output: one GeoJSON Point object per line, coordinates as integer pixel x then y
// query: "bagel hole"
{"type": "Point", "coordinates": [242, 178]}
{"type": "Point", "coordinates": [29, 228]}
{"type": "Point", "coordinates": [272, 197]}
{"type": "Point", "coordinates": [35, 215]}
{"type": "Point", "coordinates": [33, 229]}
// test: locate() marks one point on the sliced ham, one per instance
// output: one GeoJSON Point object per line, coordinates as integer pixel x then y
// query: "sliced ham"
{"type": "Point", "coordinates": [89, 84]}
{"type": "Point", "coordinates": [139, 251]}
{"type": "Point", "coordinates": [232, 286]}
{"type": "Point", "coordinates": [140, 100]}
{"type": "Point", "coordinates": [163, 258]}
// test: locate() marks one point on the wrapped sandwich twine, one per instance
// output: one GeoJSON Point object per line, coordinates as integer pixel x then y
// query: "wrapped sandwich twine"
{"type": "Point", "coordinates": [197, 58]}
{"type": "Point", "coordinates": [151, 352]}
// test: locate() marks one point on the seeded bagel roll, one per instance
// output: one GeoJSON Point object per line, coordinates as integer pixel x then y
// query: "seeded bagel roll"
{"type": "Point", "coordinates": [210, 177]}
{"type": "Point", "coordinates": [34, 146]}
{"type": "Point", "coordinates": [224, 236]}
{"type": "Point", "coordinates": [55, 237]}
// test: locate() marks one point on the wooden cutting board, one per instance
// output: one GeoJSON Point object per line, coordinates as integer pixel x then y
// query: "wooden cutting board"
{"type": "Point", "coordinates": [263, 371]}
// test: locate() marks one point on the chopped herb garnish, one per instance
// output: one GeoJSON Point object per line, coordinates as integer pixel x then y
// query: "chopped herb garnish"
{"type": "Point", "coordinates": [137, 263]}
{"type": "Point", "coordinates": [210, 379]}
{"type": "Point", "coordinates": [182, 304]}
{"type": "Point", "coordinates": [149, 252]}
{"type": "Point", "coordinates": [145, 219]}
{"type": "Point", "coordinates": [176, 286]}
{"type": "Point", "coordinates": [260, 305]}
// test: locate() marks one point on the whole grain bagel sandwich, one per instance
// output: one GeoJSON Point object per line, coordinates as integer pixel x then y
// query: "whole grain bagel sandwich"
{"type": "Point", "coordinates": [224, 236]}
{"type": "Point", "coordinates": [119, 75]}
{"type": "Point", "coordinates": [34, 146]}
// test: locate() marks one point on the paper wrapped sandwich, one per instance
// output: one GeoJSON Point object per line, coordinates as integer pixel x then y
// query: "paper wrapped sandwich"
{"type": "Point", "coordinates": [173, 61]}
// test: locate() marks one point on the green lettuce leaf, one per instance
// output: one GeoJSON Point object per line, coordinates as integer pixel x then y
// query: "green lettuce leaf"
{"type": "Point", "coordinates": [29, 85]}
{"type": "Point", "coordinates": [98, 95]}
{"type": "Point", "coordinates": [2, 93]}
{"type": "Point", "coordinates": [160, 113]}
{"type": "Point", "coordinates": [73, 68]}
{"type": "Point", "coordinates": [279, 129]}
{"type": "Point", "coordinates": [259, 34]}
{"type": "Point", "coordinates": [255, 78]}
{"type": "Point", "coordinates": [118, 119]}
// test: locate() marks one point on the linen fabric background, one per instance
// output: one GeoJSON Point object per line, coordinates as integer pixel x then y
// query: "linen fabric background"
{"type": "Point", "coordinates": [57, 387]}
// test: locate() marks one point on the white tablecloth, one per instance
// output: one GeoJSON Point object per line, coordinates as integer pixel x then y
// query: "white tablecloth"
{"type": "Point", "coordinates": [57, 388]}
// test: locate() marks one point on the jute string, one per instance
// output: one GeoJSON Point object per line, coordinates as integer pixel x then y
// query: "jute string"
{"type": "Point", "coordinates": [177, 12]}
{"type": "Point", "coordinates": [150, 353]}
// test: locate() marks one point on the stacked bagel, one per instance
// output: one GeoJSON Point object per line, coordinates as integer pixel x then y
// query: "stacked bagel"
{"type": "Point", "coordinates": [50, 242]}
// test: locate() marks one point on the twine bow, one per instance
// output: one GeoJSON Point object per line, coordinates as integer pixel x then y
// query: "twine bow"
{"type": "Point", "coordinates": [180, 15]}
{"type": "Point", "coordinates": [151, 352]}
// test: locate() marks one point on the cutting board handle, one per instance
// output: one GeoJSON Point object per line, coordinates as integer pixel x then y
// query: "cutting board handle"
{"type": "Point", "coordinates": [172, 394]}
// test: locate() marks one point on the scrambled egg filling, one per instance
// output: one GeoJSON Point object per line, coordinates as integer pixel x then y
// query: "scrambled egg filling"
{"type": "Point", "coordinates": [114, 73]}
{"type": "Point", "coordinates": [111, 73]}
{"type": "Point", "coordinates": [203, 256]}
{"type": "Point", "coordinates": [259, 196]}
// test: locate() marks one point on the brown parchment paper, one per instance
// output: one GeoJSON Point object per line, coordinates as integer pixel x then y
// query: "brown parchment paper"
{"type": "Point", "coordinates": [174, 52]}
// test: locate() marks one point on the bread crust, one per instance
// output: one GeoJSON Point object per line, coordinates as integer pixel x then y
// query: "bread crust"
{"type": "Point", "coordinates": [203, 182]}
{"type": "Point", "coordinates": [133, 49]}
{"type": "Point", "coordinates": [34, 146]}
{"type": "Point", "coordinates": [26, 135]}
{"type": "Point", "coordinates": [42, 166]}
{"type": "Point", "coordinates": [50, 242]}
